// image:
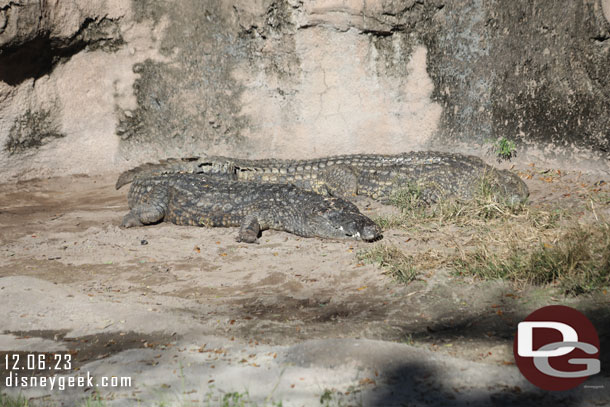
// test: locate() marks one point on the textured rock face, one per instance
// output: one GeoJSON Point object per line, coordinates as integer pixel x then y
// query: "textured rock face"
{"type": "Point", "coordinates": [36, 35]}
{"type": "Point", "coordinates": [64, 65]}
{"type": "Point", "coordinates": [281, 79]}
{"type": "Point", "coordinates": [92, 86]}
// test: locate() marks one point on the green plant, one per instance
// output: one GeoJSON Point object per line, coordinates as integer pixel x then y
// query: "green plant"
{"type": "Point", "coordinates": [504, 149]}
{"type": "Point", "coordinates": [235, 399]}
{"type": "Point", "coordinates": [217, 398]}
{"type": "Point", "coordinates": [94, 401]}
{"type": "Point", "coordinates": [330, 399]}
{"type": "Point", "coordinates": [326, 396]}
{"type": "Point", "coordinates": [8, 401]}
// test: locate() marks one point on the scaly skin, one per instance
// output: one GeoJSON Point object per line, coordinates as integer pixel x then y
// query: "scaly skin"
{"type": "Point", "coordinates": [201, 200]}
{"type": "Point", "coordinates": [438, 175]}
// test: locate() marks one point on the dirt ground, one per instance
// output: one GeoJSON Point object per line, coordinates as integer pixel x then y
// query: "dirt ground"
{"type": "Point", "coordinates": [191, 315]}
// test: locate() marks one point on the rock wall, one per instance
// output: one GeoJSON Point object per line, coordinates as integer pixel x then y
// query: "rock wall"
{"type": "Point", "coordinates": [101, 85]}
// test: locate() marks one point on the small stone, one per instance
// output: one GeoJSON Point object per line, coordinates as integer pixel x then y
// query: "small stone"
{"type": "Point", "coordinates": [143, 242]}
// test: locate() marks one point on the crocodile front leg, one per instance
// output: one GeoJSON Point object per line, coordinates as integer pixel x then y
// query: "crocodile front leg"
{"type": "Point", "coordinates": [250, 230]}
{"type": "Point", "coordinates": [148, 204]}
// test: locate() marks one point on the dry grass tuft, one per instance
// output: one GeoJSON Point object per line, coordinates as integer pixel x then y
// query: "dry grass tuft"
{"type": "Point", "coordinates": [521, 243]}
{"type": "Point", "coordinates": [390, 258]}
{"type": "Point", "coordinates": [485, 205]}
{"type": "Point", "coordinates": [578, 260]}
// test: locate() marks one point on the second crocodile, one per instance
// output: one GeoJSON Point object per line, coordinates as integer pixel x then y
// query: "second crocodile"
{"type": "Point", "coordinates": [436, 175]}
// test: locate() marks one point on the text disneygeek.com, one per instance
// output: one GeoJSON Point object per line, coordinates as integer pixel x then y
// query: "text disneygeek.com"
{"type": "Point", "coordinates": [13, 380]}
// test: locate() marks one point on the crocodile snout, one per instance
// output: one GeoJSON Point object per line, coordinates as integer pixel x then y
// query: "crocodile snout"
{"type": "Point", "coordinates": [371, 233]}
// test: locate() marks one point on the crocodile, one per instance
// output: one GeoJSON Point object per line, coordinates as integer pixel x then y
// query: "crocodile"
{"type": "Point", "coordinates": [437, 175]}
{"type": "Point", "coordinates": [201, 200]}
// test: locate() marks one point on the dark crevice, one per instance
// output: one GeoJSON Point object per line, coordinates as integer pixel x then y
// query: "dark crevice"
{"type": "Point", "coordinates": [10, 5]}
{"type": "Point", "coordinates": [601, 37]}
{"type": "Point", "coordinates": [378, 33]}
{"type": "Point", "coordinates": [39, 56]}
{"type": "Point", "coordinates": [33, 59]}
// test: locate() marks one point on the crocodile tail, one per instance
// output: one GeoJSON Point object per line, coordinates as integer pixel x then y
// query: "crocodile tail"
{"type": "Point", "coordinates": [167, 166]}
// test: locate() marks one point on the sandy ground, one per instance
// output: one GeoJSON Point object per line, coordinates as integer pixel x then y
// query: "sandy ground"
{"type": "Point", "coordinates": [190, 314]}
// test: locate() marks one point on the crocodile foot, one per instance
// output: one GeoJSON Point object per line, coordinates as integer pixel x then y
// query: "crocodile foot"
{"type": "Point", "coordinates": [130, 220]}
{"type": "Point", "coordinates": [250, 230]}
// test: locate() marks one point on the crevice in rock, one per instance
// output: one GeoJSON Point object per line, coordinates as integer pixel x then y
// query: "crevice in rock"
{"type": "Point", "coordinates": [601, 37]}
{"type": "Point", "coordinates": [4, 12]}
{"type": "Point", "coordinates": [10, 4]}
{"type": "Point", "coordinates": [39, 56]}
{"type": "Point", "coordinates": [378, 33]}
